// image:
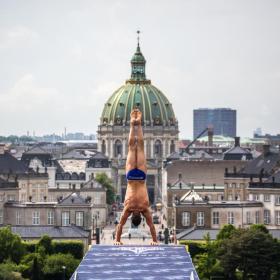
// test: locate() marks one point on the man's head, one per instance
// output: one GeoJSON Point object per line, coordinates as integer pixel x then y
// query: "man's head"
{"type": "Point", "coordinates": [136, 219]}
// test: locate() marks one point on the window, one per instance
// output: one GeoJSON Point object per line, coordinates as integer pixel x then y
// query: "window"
{"type": "Point", "coordinates": [2, 197]}
{"type": "Point", "coordinates": [50, 217]}
{"type": "Point", "coordinates": [216, 218]}
{"type": "Point", "coordinates": [230, 218]}
{"type": "Point", "coordinates": [118, 148]}
{"type": "Point", "coordinates": [103, 147]}
{"type": "Point", "coordinates": [158, 148]}
{"type": "Point", "coordinates": [200, 219]}
{"type": "Point", "coordinates": [79, 219]}
{"type": "Point", "coordinates": [18, 217]}
{"type": "Point", "coordinates": [229, 197]}
{"type": "Point", "coordinates": [277, 218]}
{"type": "Point", "coordinates": [257, 216]}
{"type": "Point", "coordinates": [11, 197]}
{"type": "Point", "coordinates": [277, 199]}
{"type": "Point", "coordinates": [65, 219]}
{"type": "Point", "coordinates": [36, 218]}
{"type": "Point", "coordinates": [248, 217]}
{"type": "Point", "coordinates": [233, 185]}
{"type": "Point", "coordinates": [23, 197]}
{"type": "Point", "coordinates": [1, 216]}
{"type": "Point", "coordinates": [266, 217]}
{"type": "Point", "coordinates": [97, 198]}
{"type": "Point", "coordinates": [256, 197]}
{"type": "Point", "coordinates": [266, 197]}
{"type": "Point", "coordinates": [186, 219]}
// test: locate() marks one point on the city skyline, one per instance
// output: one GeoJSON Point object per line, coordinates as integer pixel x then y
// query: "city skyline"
{"type": "Point", "coordinates": [62, 61]}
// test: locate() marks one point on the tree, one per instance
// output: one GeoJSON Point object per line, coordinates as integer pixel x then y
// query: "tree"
{"type": "Point", "coordinates": [251, 251]}
{"type": "Point", "coordinates": [11, 246]}
{"type": "Point", "coordinates": [208, 265]}
{"type": "Point", "coordinates": [106, 182]}
{"type": "Point", "coordinates": [226, 232]}
{"type": "Point", "coordinates": [53, 268]}
{"type": "Point", "coordinates": [46, 243]}
{"type": "Point", "coordinates": [31, 266]}
{"type": "Point", "coordinates": [259, 227]}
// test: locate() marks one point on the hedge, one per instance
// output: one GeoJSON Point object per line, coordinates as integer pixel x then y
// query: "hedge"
{"type": "Point", "coordinates": [75, 248]}
{"type": "Point", "coordinates": [30, 247]}
{"type": "Point", "coordinates": [194, 247]}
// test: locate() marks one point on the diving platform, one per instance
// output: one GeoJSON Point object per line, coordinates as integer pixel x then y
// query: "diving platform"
{"type": "Point", "coordinates": [129, 262]}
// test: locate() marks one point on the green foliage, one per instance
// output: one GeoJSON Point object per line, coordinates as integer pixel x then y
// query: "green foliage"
{"type": "Point", "coordinates": [75, 248]}
{"type": "Point", "coordinates": [250, 254]}
{"type": "Point", "coordinates": [30, 246]}
{"type": "Point", "coordinates": [39, 263]}
{"type": "Point", "coordinates": [53, 268]}
{"type": "Point", "coordinates": [46, 243]}
{"type": "Point", "coordinates": [32, 264]}
{"type": "Point", "coordinates": [226, 232]}
{"type": "Point", "coordinates": [10, 246]}
{"type": "Point", "coordinates": [194, 247]}
{"type": "Point", "coordinates": [259, 227]}
{"type": "Point", "coordinates": [207, 262]}
{"type": "Point", "coordinates": [251, 251]}
{"type": "Point", "coordinates": [106, 182]}
{"type": "Point", "coordinates": [9, 271]}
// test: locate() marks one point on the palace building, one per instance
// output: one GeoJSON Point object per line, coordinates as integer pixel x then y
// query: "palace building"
{"type": "Point", "coordinates": [160, 126]}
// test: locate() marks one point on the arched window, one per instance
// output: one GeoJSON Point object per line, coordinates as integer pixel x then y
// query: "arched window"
{"type": "Point", "coordinates": [158, 148]}
{"type": "Point", "coordinates": [172, 147]}
{"type": "Point", "coordinates": [118, 148]}
{"type": "Point", "coordinates": [103, 147]}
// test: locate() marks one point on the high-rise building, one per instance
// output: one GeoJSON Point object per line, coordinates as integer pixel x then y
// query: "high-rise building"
{"type": "Point", "coordinates": [223, 121]}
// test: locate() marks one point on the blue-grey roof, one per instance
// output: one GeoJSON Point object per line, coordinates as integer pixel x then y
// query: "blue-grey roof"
{"type": "Point", "coordinates": [53, 231]}
{"type": "Point", "coordinates": [197, 234]}
{"type": "Point", "coordinates": [136, 263]}
{"type": "Point", "coordinates": [73, 199]}
{"type": "Point", "coordinates": [9, 164]}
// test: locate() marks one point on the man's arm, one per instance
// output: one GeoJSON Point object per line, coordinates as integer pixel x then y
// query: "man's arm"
{"type": "Point", "coordinates": [122, 222]}
{"type": "Point", "coordinates": [149, 221]}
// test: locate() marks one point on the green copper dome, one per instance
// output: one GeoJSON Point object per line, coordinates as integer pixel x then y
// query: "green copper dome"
{"type": "Point", "coordinates": [138, 92]}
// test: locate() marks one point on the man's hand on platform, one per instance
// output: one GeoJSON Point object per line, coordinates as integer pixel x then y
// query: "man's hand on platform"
{"type": "Point", "coordinates": [153, 243]}
{"type": "Point", "coordinates": [118, 243]}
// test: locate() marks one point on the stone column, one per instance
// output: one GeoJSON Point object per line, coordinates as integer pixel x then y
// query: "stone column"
{"type": "Point", "coordinates": [152, 148]}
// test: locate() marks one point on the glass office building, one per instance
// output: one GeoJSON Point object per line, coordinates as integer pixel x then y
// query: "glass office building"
{"type": "Point", "coordinates": [223, 121]}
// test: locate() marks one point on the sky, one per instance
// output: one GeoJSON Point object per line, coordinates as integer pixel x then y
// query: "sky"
{"type": "Point", "coordinates": [61, 60]}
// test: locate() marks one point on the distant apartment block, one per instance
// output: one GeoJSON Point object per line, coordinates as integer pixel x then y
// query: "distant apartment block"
{"type": "Point", "coordinates": [223, 121]}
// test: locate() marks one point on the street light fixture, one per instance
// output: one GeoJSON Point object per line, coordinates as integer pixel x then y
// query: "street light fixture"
{"type": "Point", "coordinates": [63, 275]}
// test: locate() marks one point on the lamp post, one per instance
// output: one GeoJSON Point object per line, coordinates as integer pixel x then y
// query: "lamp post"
{"type": "Point", "coordinates": [95, 217]}
{"type": "Point", "coordinates": [63, 275]}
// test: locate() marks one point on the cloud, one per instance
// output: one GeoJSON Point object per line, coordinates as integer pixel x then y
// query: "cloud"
{"type": "Point", "coordinates": [16, 36]}
{"type": "Point", "coordinates": [27, 97]}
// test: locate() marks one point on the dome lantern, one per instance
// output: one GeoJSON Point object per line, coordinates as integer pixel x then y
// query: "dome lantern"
{"type": "Point", "coordinates": [138, 63]}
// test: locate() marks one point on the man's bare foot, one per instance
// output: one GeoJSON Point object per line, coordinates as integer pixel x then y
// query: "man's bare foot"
{"type": "Point", "coordinates": [153, 243]}
{"type": "Point", "coordinates": [134, 119]}
{"type": "Point", "coordinates": [118, 243]}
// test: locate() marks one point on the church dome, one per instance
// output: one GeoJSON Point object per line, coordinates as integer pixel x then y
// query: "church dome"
{"type": "Point", "coordinates": [138, 92]}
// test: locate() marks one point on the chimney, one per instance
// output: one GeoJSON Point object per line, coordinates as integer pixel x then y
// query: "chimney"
{"type": "Point", "coordinates": [266, 149]}
{"type": "Point", "coordinates": [237, 141]}
{"type": "Point", "coordinates": [2, 149]}
{"type": "Point", "coordinates": [210, 135]}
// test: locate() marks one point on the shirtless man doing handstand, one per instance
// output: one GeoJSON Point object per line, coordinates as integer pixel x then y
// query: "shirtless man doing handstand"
{"type": "Point", "coordinates": [136, 197]}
